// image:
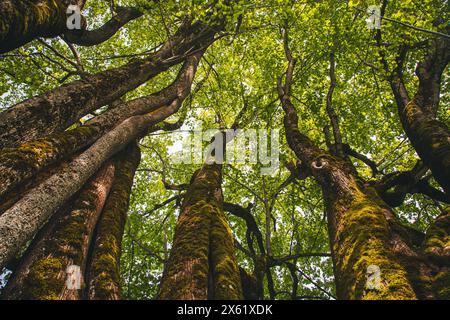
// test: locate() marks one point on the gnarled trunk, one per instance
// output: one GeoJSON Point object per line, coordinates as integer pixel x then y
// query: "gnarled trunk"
{"type": "Point", "coordinates": [429, 136]}
{"type": "Point", "coordinates": [364, 232]}
{"type": "Point", "coordinates": [365, 236]}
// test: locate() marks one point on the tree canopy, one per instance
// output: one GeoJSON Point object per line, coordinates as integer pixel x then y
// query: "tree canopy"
{"type": "Point", "coordinates": [342, 88]}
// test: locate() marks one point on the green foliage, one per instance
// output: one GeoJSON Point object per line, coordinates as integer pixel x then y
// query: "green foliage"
{"type": "Point", "coordinates": [245, 68]}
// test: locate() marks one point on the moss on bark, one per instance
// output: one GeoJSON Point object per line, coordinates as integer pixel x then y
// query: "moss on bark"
{"type": "Point", "coordinates": [19, 164]}
{"type": "Point", "coordinates": [43, 275]}
{"type": "Point", "coordinates": [362, 239]}
{"type": "Point", "coordinates": [430, 138]}
{"type": "Point", "coordinates": [103, 271]}
{"type": "Point", "coordinates": [202, 264]}
{"type": "Point", "coordinates": [22, 21]}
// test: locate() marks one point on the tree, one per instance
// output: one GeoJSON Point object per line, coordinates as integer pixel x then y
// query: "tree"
{"type": "Point", "coordinates": [429, 136]}
{"type": "Point", "coordinates": [94, 122]}
{"type": "Point", "coordinates": [202, 264]}
{"type": "Point", "coordinates": [23, 21]}
{"type": "Point", "coordinates": [363, 230]}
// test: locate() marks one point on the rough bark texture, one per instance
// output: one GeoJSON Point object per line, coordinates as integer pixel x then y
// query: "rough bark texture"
{"type": "Point", "coordinates": [22, 21]}
{"type": "Point", "coordinates": [43, 201]}
{"type": "Point", "coordinates": [21, 163]}
{"type": "Point", "coordinates": [17, 193]}
{"type": "Point", "coordinates": [437, 248]}
{"type": "Point", "coordinates": [103, 272]}
{"type": "Point", "coordinates": [363, 230]}
{"type": "Point", "coordinates": [202, 264]}
{"type": "Point", "coordinates": [42, 275]}
{"type": "Point", "coordinates": [429, 136]}
{"type": "Point", "coordinates": [56, 110]}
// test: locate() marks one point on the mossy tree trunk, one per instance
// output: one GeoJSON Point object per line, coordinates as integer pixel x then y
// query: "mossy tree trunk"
{"type": "Point", "coordinates": [364, 232]}
{"type": "Point", "coordinates": [43, 201]}
{"type": "Point", "coordinates": [429, 136]}
{"type": "Point", "coordinates": [56, 110]}
{"type": "Point", "coordinates": [42, 274]}
{"type": "Point", "coordinates": [22, 163]}
{"type": "Point", "coordinates": [202, 263]}
{"type": "Point", "coordinates": [103, 271]}
{"type": "Point", "coordinates": [26, 20]}
{"type": "Point", "coordinates": [437, 248]}
{"type": "Point", "coordinates": [23, 21]}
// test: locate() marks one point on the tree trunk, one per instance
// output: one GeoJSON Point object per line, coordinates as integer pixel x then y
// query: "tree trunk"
{"type": "Point", "coordinates": [364, 233]}
{"type": "Point", "coordinates": [22, 163]}
{"type": "Point", "coordinates": [429, 136]}
{"type": "Point", "coordinates": [43, 275]}
{"type": "Point", "coordinates": [437, 248]}
{"type": "Point", "coordinates": [202, 264]}
{"type": "Point", "coordinates": [26, 20]}
{"type": "Point", "coordinates": [43, 201]}
{"type": "Point", "coordinates": [56, 110]}
{"type": "Point", "coordinates": [251, 289]}
{"type": "Point", "coordinates": [103, 272]}
{"type": "Point", "coordinates": [23, 21]}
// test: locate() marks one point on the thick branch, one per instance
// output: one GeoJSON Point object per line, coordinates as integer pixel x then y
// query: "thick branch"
{"type": "Point", "coordinates": [102, 34]}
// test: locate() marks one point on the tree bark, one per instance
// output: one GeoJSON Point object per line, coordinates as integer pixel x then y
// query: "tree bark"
{"type": "Point", "coordinates": [363, 230]}
{"type": "Point", "coordinates": [20, 164]}
{"type": "Point", "coordinates": [202, 264]}
{"type": "Point", "coordinates": [42, 275]}
{"type": "Point", "coordinates": [437, 248]}
{"type": "Point", "coordinates": [43, 201]}
{"type": "Point", "coordinates": [429, 136]}
{"type": "Point", "coordinates": [22, 21]}
{"type": "Point", "coordinates": [103, 272]}
{"type": "Point", "coordinates": [56, 110]}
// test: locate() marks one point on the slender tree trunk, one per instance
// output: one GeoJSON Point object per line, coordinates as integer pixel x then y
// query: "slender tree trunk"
{"type": "Point", "coordinates": [103, 272]}
{"type": "Point", "coordinates": [43, 275]}
{"type": "Point", "coordinates": [202, 264]}
{"type": "Point", "coordinates": [43, 201]}
{"type": "Point", "coordinates": [56, 110]}
{"type": "Point", "coordinates": [22, 163]}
